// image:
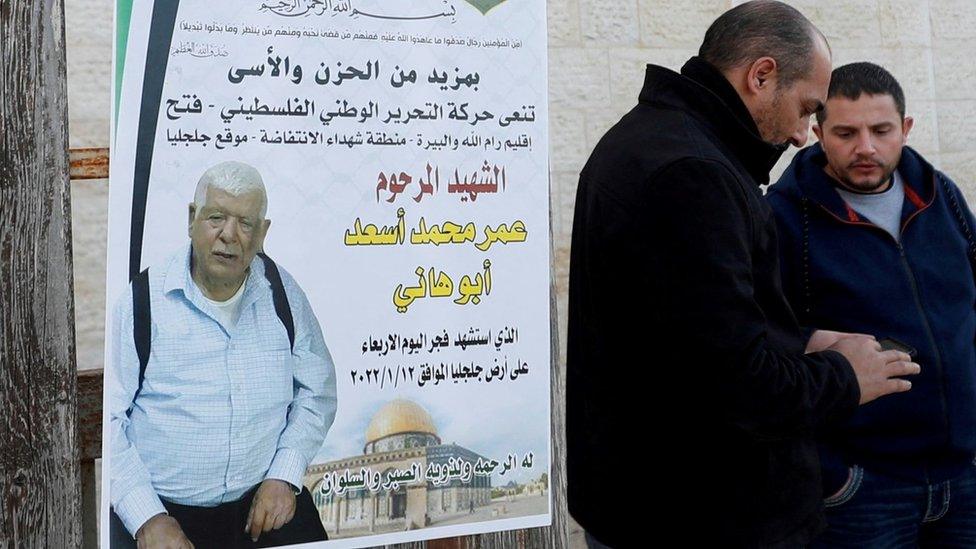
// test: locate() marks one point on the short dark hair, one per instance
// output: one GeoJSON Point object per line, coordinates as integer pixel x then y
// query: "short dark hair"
{"type": "Point", "coordinates": [850, 81]}
{"type": "Point", "coordinates": [762, 28]}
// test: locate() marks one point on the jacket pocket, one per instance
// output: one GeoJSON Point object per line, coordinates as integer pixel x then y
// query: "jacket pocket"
{"type": "Point", "coordinates": [854, 478]}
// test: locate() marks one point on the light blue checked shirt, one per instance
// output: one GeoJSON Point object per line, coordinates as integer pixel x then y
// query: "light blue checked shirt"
{"type": "Point", "coordinates": [222, 408]}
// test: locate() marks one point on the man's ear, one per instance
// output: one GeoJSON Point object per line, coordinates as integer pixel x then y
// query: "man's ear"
{"type": "Point", "coordinates": [761, 75]}
{"type": "Point", "coordinates": [906, 126]}
{"type": "Point", "coordinates": [192, 211]}
{"type": "Point", "coordinates": [265, 225]}
{"type": "Point", "coordinates": [818, 131]}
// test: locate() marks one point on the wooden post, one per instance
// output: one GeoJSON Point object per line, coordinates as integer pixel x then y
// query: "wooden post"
{"type": "Point", "coordinates": [40, 496]}
{"type": "Point", "coordinates": [90, 447]}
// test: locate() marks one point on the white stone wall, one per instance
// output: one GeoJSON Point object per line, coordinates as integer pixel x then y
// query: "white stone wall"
{"type": "Point", "coordinates": [88, 30]}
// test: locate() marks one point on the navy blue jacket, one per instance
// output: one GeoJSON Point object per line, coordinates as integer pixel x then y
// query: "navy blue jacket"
{"type": "Point", "coordinates": [842, 272]}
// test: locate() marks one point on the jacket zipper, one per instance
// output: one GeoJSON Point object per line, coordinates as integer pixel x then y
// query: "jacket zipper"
{"type": "Point", "coordinates": [915, 294]}
{"type": "Point", "coordinates": [928, 332]}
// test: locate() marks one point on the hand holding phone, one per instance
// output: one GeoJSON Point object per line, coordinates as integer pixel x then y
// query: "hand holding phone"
{"type": "Point", "coordinates": [892, 344]}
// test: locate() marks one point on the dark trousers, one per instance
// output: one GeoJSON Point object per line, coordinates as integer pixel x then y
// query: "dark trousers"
{"type": "Point", "coordinates": [876, 511]}
{"type": "Point", "coordinates": [223, 525]}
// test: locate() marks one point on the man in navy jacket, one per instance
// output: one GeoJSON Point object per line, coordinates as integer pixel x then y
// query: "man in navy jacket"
{"type": "Point", "coordinates": [874, 240]}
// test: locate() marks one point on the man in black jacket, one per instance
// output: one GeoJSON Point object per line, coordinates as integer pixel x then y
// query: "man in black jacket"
{"type": "Point", "coordinates": [680, 340]}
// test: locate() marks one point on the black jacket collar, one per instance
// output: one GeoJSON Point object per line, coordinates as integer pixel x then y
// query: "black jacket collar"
{"type": "Point", "coordinates": [705, 93]}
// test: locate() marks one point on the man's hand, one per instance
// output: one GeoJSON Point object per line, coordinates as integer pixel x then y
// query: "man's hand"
{"type": "Point", "coordinates": [877, 371]}
{"type": "Point", "coordinates": [273, 506]}
{"type": "Point", "coordinates": [823, 339]}
{"type": "Point", "coordinates": [162, 532]}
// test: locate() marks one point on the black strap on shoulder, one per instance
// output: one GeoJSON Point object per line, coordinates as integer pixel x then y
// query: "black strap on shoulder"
{"type": "Point", "coordinates": [141, 323]}
{"type": "Point", "coordinates": [280, 299]}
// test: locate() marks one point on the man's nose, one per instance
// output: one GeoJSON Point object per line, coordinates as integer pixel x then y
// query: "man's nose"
{"type": "Point", "coordinates": [228, 233]}
{"type": "Point", "coordinates": [864, 145]}
{"type": "Point", "coordinates": [799, 138]}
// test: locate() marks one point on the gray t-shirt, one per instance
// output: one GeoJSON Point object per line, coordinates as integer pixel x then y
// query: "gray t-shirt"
{"type": "Point", "coordinates": [882, 209]}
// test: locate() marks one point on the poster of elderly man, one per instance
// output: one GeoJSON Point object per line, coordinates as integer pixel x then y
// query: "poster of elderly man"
{"type": "Point", "coordinates": [223, 386]}
{"type": "Point", "coordinates": [328, 273]}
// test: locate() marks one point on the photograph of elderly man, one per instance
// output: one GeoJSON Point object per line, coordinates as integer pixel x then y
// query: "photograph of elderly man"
{"type": "Point", "coordinates": [222, 386]}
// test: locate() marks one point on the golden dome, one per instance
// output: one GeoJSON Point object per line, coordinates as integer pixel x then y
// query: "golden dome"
{"type": "Point", "coordinates": [399, 416]}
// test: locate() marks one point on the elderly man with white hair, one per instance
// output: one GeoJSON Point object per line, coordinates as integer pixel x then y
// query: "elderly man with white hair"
{"type": "Point", "coordinates": [222, 386]}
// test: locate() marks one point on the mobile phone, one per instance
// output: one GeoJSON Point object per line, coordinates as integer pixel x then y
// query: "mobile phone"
{"type": "Point", "coordinates": [892, 344]}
